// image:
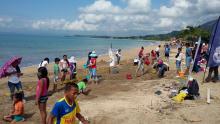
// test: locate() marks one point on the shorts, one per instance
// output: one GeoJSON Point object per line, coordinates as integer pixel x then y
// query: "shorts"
{"type": "Point", "coordinates": [178, 64]}
{"type": "Point", "coordinates": [93, 72]}
{"type": "Point", "coordinates": [158, 53]}
{"type": "Point", "coordinates": [188, 61]}
{"type": "Point", "coordinates": [55, 80]}
{"type": "Point", "coordinates": [12, 87]}
{"type": "Point", "coordinates": [17, 118]}
{"type": "Point", "coordinates": [43, 99]}
{"type": "Point", "coordinates": [64, 70]}
{"type": "Point", "coordinates": [167, 55]}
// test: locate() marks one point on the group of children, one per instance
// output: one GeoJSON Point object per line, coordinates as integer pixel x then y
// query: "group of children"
{"type": "Point", "coordinates": [60, 70]}
{"type": "Point", "coordinates": [156, 61]}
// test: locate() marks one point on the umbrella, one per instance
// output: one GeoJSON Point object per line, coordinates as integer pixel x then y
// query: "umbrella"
{"type": "Point", "coordinates": [4, 68]}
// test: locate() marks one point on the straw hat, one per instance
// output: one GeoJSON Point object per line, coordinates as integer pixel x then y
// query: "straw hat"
{"type": "Point", "coordinates": [72, 59]}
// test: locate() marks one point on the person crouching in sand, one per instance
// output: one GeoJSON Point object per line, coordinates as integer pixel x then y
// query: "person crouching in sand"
{"type": "Point", "coordinates": [82, 86]}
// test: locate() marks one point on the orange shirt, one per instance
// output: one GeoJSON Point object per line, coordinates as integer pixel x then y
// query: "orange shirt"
{"type": "Point", "coordinates": [19, 108]}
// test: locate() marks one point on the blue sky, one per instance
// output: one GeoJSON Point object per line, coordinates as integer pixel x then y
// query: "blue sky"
{"type": "Point", "coordinates": [109, 17]}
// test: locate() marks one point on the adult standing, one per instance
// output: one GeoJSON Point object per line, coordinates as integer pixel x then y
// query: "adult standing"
{"type": "Point", "coordinates": [13, 72]}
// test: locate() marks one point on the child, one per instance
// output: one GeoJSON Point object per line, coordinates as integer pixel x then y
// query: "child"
{"type": "Point", "coordinates": [73, 72]}
{"type": "Point", "coordinates": [66, 110]}
{"type": "Point", "coordinates": [179, 58]}
{"type": "Point", "coordinates": [153, 56]}
{"type": "Point", "coordinates": [92, 66]}
{"type": "Point", "coordinates": [56, 73]}
{"type": "Point", "coordinates": [44, 63]}
{"type": "Point", "coordinates": [158, 51]}
{"type": "Point", "coordinates": [42, 92]}
{"type": "Point", "coordinates": [16, 114]}
{"type": "Point", "coordinates": [64, 65]}
{"type": "Point", "coordinates": [118, 55]}
{"type": "Point", "coordinates": [82, 87]}
{"type": "Point", "coordinates": [161, 67]}
{"type": "Point", "coordinates": [167, 52]}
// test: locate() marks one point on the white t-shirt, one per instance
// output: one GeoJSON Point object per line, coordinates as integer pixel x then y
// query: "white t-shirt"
{"type": "Point", "coordinates": [180, 57]}
{"type": "Point", "coordinates": [14, 77]}
{"type": "Point", "coordinates": [43, 64]}
{"type": "Point", "coordinates": [157, 49]}
{"type": "Point", "coordinates": [63, 64]}
{"type": "Point", "coordinates": [118, 53]}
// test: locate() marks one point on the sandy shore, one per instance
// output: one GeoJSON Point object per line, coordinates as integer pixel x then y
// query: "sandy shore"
{"type": "Point", "coordinates": [117, 100]}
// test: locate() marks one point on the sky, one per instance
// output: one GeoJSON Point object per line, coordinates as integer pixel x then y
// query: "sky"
{"type": "Point", "coordinates": [104, 17]}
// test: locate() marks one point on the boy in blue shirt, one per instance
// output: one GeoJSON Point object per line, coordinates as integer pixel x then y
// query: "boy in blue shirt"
{"type": "Point", "coordinates": [66, 110]}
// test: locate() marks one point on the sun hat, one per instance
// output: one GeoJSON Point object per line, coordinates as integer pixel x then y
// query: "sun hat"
{"type": "Point", "coordinates": [72, 59]}
{"type": "Point", "coordinates": [93, 54]}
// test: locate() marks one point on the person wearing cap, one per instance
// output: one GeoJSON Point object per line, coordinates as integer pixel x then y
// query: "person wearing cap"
{"type": "Point", "coordinates": [73, 72]}
{"type": "Point", "coordinates": [93, 67]}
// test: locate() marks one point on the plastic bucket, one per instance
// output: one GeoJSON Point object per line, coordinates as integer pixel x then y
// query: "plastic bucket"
{"type": "Point", "coordinates": [181, 74]}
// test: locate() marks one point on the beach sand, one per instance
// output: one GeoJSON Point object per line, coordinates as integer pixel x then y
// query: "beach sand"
{"type": "Point", "coordinates": [117, 100]}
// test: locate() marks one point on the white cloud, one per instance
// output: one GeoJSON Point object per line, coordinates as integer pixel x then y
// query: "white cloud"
{"type": "Point", "coordinates": [80, 26]}
{"type": "Point", "coordinates": [165, 22]}
{"type": "Point", "coordinates": [5, 21]}
{"type": "Point", "coordinates": [138, 6]}
{"type": "Point", "coordinates": [136, 16]}
{"type": "Point", "coordinates": [62, 24]}
{"type": "Point", "coordinates": [101, 6]}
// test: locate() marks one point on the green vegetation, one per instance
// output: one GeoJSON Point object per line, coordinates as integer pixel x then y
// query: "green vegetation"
{"type": "Point", "coordinates": [190, 34]}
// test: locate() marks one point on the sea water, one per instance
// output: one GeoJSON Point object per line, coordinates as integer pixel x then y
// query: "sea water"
{"type": "Point", "coordinates": [33, 48]}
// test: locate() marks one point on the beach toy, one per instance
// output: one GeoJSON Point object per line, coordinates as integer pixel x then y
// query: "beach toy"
{"type": "Point", "coordinates": [181, 74]}
{"type": "Point", "coordinates": [180, 97]}
{"type": "Point", "coordinates": [128, 76]}
{"type": "Point", "coordinates": [85, 66]}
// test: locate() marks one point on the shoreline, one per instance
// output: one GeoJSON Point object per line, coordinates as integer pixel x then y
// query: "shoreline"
{"type": "Point", "coordinates": [127, 54]}
{"type": "Point", "coordinates": [101, 55]}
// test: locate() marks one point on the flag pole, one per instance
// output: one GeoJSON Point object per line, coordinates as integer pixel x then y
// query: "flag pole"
{"type": "Point", "coordinates": [210, 49]}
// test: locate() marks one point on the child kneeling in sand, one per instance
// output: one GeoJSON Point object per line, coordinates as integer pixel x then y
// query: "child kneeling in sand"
{"type": "Point", "coordinates": [16, 114]}
{"type": "Point", "coordinates": [83, 88]}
